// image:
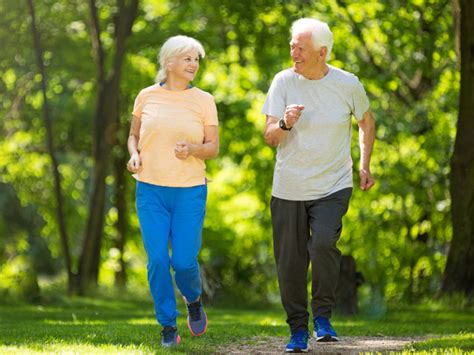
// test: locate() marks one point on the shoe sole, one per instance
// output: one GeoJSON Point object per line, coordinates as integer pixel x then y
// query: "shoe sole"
{"type": "Point", "coordinates": [297, 350]}
{"type": "Point", "coordinates": [327, 338]}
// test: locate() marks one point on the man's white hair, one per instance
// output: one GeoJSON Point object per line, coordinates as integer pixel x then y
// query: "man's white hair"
{"type": "Point", "coordinates": [173, 47]}
{"type": "Point", "coordinates": [321, 35]}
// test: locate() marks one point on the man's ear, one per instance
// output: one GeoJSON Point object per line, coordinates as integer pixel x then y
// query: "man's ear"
{"type": "Point", "coordinates": [323, 52]}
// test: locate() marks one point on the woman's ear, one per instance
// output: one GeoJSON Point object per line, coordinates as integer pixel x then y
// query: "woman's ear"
{"type": "Point", "coordinates": [169, 65]}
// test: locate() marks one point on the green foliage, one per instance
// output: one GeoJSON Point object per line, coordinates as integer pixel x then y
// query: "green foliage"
{"type": "Point", "coordinates": [398, 232]}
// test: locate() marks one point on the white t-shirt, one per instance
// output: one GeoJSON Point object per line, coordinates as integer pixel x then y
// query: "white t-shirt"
{"type": "Point", "coordinates": [315, 159]}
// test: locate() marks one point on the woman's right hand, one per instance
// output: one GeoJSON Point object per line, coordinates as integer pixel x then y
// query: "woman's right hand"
{"type": "Point", "coordinates": [134, 163]}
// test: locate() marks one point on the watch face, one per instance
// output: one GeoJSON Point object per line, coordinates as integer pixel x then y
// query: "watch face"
{"type": "Point", "coordinates": [282, 125]}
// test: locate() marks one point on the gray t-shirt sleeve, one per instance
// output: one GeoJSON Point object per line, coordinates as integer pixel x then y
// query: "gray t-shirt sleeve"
{"type": "Point", "coordinates": [275, 102]}
{"type": "Point", "coordinates": [360, 101]}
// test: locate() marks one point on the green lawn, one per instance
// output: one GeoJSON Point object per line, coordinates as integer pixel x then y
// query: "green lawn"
{"type": "Point", "coordinates": [105, 325]}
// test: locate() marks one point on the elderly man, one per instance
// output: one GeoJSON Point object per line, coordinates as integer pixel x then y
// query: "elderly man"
{"type": "Point", "coordinates": [309, 109]}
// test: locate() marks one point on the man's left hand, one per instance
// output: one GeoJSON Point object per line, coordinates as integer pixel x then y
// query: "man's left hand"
{"type": "Point", "coordinates": [366, 179]}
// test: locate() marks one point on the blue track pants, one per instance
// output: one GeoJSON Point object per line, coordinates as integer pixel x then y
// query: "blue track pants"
{"type": "Point", "coordinates": [171, 217]}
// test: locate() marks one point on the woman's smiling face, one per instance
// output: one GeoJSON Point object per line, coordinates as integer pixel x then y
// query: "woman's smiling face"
{"type": "Point", "coordinates": [185, 66]}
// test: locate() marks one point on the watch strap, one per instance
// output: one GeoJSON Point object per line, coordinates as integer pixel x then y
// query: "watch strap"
{"type": "Point", "coordinates": [283, 126]}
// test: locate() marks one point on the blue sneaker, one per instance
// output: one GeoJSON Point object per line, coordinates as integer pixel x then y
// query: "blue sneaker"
{"type": "Point", "coordinates": [170, 337]}
{"type": "Point", "coordinates": [197, 318]}
{"type": "Point", "coordinates": [323, 330]}
{"type": "Point", "coordinates": [298, 342]}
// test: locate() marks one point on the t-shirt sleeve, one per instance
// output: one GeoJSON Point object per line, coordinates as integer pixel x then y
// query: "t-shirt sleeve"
{"type": "Point", "coordinates": [275, 102]}
{"type": "Point", "coordinates": [138, 105]}
{"type": "Point", "coordinates": [360, 101]}
{"type": "Point", "coordinates": [210, 112]}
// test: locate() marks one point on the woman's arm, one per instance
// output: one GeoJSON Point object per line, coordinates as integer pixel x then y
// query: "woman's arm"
{"type": "Point", "coordinates": [209, 149]}
{"type": "Point", "coordinates": [134, 163]}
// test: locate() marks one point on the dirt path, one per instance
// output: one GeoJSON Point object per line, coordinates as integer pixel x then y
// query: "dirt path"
{"type": "Point", "coordinates": [346, 345]}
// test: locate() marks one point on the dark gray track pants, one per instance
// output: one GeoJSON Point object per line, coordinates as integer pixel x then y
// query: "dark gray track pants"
{"type": "Point", "coordinates": [305, 231]}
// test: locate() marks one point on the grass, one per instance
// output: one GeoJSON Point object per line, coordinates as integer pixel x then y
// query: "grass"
{"type": "Point", "coordinates": [109, 324]}
{"type": "Point", "coordinates": [461, 341]}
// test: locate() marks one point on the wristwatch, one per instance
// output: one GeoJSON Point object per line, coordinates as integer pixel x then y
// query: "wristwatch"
{"type": "Point", "coordinates": [283, 126]}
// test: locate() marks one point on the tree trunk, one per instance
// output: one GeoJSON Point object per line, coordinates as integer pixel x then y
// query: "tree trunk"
{"type": "Point", "coordinates": [105, 116]}
{"type": "Point", "coordinates": [50, 144]}
{"type": "Point", "coordinates": [349, 280]}
{"type": "Point", "coordinates": [459, 273]}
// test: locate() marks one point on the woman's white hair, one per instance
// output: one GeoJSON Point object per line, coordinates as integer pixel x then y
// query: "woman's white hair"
{"type": "Point", "coordinates": [173, 47]}
{"type": "Point", "coordinates": [321, 35]}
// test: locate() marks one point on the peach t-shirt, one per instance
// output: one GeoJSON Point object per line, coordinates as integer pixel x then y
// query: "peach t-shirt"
{"type": "Point", "coordinates": [168, 117]}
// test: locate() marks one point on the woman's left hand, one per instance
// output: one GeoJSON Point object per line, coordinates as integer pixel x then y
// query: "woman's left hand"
{"type": "Point", "coordinates": [183, 150]}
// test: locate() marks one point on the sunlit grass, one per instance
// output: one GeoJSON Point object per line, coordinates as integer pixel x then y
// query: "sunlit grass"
{"type": "Point", "coordinates": [464, 341]}
{"type": "Point", "coordinates": [127, 325]}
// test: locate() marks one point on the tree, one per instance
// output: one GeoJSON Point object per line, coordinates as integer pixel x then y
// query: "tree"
{"type": "Point", "coordinates": [106, 113]}
{"type": "Point", "coordinates": [459, 273]}
{"type": "Point", "coordinates": [51, 150]}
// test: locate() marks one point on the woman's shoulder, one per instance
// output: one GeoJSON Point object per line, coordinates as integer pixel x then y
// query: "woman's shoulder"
{"type": "Point", "coordinates": [202, 95]}
{"type": "Point", "coordinates": [149, 89]}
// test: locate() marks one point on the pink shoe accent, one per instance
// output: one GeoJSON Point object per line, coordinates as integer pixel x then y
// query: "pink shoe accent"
{"type": "Point", "coordinates": [186, 301]}
{"type": "Point", "coordinates": [178, 340]}
{"type": "Point", "coordinates": [196, 335]}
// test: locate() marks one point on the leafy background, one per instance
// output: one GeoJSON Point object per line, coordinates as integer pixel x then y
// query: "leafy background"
{"type": "Point", "coordinates": [403, 52]}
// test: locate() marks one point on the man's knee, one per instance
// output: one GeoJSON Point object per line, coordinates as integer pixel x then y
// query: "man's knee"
{"type": "Point", "coordinates": [325, 238]}
{"type": "Point", "coordinates": [292, 271]}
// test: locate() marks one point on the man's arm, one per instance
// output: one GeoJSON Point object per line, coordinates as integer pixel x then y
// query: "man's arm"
{"type": "Point", "coordinates": [273, 134]}
{"type": "Point", "coordinates": [366, 144]}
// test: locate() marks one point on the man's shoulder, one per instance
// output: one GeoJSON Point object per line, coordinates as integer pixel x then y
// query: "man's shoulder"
{"type": "Point", "coordinates": [285, 75]}
{"type": "Point", "coordinates": [343, 77]}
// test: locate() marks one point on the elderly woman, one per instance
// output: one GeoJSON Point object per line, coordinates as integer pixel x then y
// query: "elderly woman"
{"type": "Point", "coordinates": [173, 130]}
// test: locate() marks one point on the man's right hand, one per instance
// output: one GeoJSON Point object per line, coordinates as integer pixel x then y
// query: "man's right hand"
{"type": "Point", "coordinates": [292, 114]}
